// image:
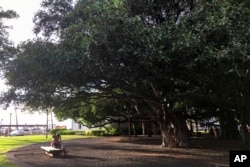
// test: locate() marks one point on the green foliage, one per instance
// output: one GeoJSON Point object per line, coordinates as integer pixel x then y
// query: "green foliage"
{"type": "Point", "coordinates": [32, 56]}
{"type": "Point", "coordinates": [64, 132]}
{"type": "Point", "coordinates": [80, 133]}
{"type": "Point", "coordinates": [89, 133]}
{"type": "Point", "coordinates": [55, 131]}
{"type": "Point", "coordinates": [50, 19]}
{"type": "Point", "coordinates": [113, 60]}
{"type": "Point", "coordinates": [7, 49]}
{"type": "Point", "coordinates": [98, 132]}
{"type": "Point", "coordinates": [160, 11]}
{"type": "Point", "coordinates": [67, 132]}
{"type": "Point", "coordinates": [123, 131]}
{"type": "Point", "coordinates": [112, 131]}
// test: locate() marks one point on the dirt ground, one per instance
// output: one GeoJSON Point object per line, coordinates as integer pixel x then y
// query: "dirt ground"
{"type": "Point", "coordinates": [117, 151]}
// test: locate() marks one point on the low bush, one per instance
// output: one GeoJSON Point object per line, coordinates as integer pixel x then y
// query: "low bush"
{"type": "Point", "coordinates": [80, 132]}
{"type": "Point", "coordinates": [55, 131]}
{"type": "Point", "coordinates": [62, 131]}
{"type": "Point", "coordinates": [67, 132]}
{"type": "Point", "coordinates": [112, 131]}
{"type": "Point", "coordinates": [98, 132]}
{"type": "Point", "coordinates": [88, 133]}
{"type": "Point", "coordinates": [123, 131]}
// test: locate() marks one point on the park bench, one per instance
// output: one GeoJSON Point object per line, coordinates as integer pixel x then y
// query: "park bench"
{"type": "Point", "coordinates": [52, 151]}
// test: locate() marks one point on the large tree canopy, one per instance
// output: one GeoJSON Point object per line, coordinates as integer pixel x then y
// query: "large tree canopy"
{"type": "Point", "coordinates": [157, 59]}
{"type": "Point", "coordinates": [5, 45]}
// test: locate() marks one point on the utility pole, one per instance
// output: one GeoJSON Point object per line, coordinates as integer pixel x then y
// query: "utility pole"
{"type": "Point", "coordinates": [47, 123]}
{"type": "Point", "coordinates": [1, 126]}
{"type": "Point", "coordinates": [10, 123]}
{"type": "Point", "coordinates": [16, 118]}
{"type": "Point", "coordinates": [51, 118]}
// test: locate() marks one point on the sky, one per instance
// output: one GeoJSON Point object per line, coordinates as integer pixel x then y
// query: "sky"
{"type": "Point", "coordinates": [21, 31]}
{"type": "Point", "coordinates": [22, 26]}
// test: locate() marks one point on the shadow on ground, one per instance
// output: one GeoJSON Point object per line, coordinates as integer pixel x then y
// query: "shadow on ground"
{"type": "Point", "coordinates": [117, 151]}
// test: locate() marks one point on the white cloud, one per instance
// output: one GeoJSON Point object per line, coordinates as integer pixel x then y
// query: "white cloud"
{"type": "Point", "coordinates": [22, 26]}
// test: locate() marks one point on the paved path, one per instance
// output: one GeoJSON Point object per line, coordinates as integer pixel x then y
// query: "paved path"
{"type": "Point", "coordinates": [103, 152]}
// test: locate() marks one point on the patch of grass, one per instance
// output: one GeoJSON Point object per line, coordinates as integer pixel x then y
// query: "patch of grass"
{"type": "Point", "coordinates": [11, 142]}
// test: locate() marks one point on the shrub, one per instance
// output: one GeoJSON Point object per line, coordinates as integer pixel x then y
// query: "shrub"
{"type": "Point", "coordinates": [80, 132]}
{"type": "Point", "coordinates": [114, 131]}
{"type": "Point", "coordinates": [62, 131]}
{"type": "Point", "coordinates": [123, 131]}
{"type": "Point", "coordinates": [98, 132]}
{"type": "Point", "coordinates": [54, 131]}
{"type": "Point", "coordinates": [88, 133]}
{"type": "Point", "coordinates": [67, 132]}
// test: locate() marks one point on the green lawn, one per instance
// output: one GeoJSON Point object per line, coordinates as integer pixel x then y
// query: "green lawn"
{"type": "Point", "coordinates": [9, 143]}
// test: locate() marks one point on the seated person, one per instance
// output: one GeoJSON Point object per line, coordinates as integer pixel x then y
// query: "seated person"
{"type": "Point", "coordinates": [57, 142]}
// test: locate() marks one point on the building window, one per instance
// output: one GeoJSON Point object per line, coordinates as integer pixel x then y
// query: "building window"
{"type": "Point", "coordinates": [79, 126]}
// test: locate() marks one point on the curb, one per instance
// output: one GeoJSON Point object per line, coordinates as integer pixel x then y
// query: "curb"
{"type": "Point", "coordinates": [11, 156]}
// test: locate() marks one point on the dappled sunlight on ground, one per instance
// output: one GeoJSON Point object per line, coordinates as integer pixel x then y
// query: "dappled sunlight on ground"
{"type": "Point", "coordinates": [141, 151]}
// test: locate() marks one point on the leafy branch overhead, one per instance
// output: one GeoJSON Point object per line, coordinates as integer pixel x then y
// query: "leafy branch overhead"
{"type": "Point", "coordinates": [164, 60]}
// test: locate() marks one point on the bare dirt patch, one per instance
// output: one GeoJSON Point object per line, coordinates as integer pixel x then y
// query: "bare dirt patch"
{"type": "Point", "coordinates": [118, 151]}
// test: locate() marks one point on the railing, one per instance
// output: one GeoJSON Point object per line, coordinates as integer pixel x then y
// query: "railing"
{"type": "Point", "coordinates": [25, 125]}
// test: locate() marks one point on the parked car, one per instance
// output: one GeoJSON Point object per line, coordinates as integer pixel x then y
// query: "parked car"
{"type": "Point", "coordinates": [17, 133]}
{"type": "Point", "coordinates": [37, 131]}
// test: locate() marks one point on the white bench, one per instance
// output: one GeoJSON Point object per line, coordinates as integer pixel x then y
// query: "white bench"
{"type": "Point", "coordinates": [51, 151]}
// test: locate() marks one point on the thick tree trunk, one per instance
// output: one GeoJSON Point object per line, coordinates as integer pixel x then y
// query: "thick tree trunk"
{"type": "Point", "coordinates": [149, 129]}
{"type": "Point", "coordinates": [182, 134]}
{"type": "Point", "coordinates": [173, 127]}
{"type": "Point", "coordinates": [174, 131]}
{"type": "Point", "coordinates": [228, 126]}
{"type": "Point", "coordinates": [163, 123]}
{"type": "Point", "coordinates": [243, 131]}
{"type": "Point", "coordinates": [135, 128]}
{"type": "Point", "coordinates": [163, 129]}
{"type": "Point", "coordinates": [143, 128]}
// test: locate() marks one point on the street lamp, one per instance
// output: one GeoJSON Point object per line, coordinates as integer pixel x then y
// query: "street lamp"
{"type": "Point", "coordinates": [47, 122]}
{"type": "Point", "coordinates": [1, 126]}
{"type": "Point", "coordinates": [10, 123]}
{"type": "Point", "coordinates": [16, 118]}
